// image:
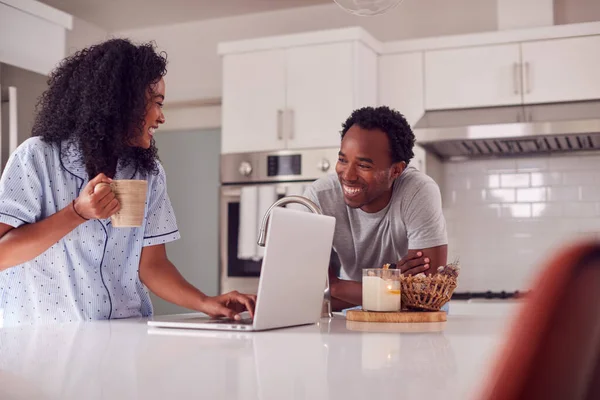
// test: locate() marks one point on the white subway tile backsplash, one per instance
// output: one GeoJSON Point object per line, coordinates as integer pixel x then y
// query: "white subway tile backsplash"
{"type": "Point", "coordinates": [464, 196]}
{"type": "Point", "coordinates": [455, 181]}
{"type": "Point", "coordinates": [532, 164]}
{"type": "Point", "coordinates": [478, 181]}
{"type": "Point", "coordinates": [450, 228]}
{"type": "Point", "coordinates": [481, 212]}
{"type": "Point", "coordinates": [522, 235]}
{"type": "Point", "coordinates": [514, 180]}
{"type": "Point", "coordinates": [546, 179]}
{"type": "Point", "coordinates": [573, 225]}
{"type": "Point", "coordinates": [451, 197]}
{"type": "Point", "coordinates": [590, 193]}
{"type": "Point", "coordinates": [501, 166]}
{"type": "Point", "coordinates": [485, 166]}
{"type": "Point", "coordinates": [580, 178]}
{"type": "Point", "coordinates": [564, 194]}
{"type": "Point", "coordinates": [476, 196]}
{"type": "Point", "coordinates": [546, 210]}
{"type": "Point", "coordinates": [580, 209]}
{"type": "Point", "coordinates": [493, 181]}
{"type": "Point", "coordinates": [501, 195]}
{"type": "Point", "coordinates": [451, 213]}
{"type": "Point", "coordinates": [500, 279]}
{"type": "Point", "coordinates": [570, 225]}
{"type": "Point", "coordinates": [516, 211]}
{"type": "Point", "coordinates": [531, 195]}
{"type": "Point", "coordinates": [513, 213]}
{"type": "Point", "coordinates": [581, 163]}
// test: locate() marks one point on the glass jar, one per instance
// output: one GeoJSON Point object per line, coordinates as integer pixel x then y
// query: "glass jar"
{"type": "Point", "coordinates": [381, 289]}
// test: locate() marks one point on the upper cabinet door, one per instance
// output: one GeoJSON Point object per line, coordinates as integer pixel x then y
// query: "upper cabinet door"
{"type": "Point", "coordinates": [253, 101]}
{"type": "Point", "coordinates": [401, 84]}
{"type": "Point", "coordinates": [472, 77]}
{"type": "Point", "coordinates": [325, 83]}
{"type": "Point", "coordinates": [561, 70]}
{"type": "Point", "coordinates": [30, 42]}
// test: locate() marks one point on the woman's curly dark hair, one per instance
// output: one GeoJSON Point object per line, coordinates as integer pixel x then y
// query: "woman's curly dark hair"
{"type": "Point", "coordinates": [400, 136]}
{"type": "Point", "coordinates": [97, 99]}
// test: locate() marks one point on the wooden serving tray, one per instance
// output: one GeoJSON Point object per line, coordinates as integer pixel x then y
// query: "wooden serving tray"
{"type": "Point", "coordinates": [400, 316]}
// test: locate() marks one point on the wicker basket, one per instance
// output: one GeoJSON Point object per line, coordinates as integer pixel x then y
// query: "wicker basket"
{"type": "Point", "coordinates": [426, 292]}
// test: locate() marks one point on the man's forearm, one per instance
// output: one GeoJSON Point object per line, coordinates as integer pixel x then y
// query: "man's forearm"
{"type": "Point", "coordinates": [339, 305]}
{"type": "Point", "coordinates": [349, 292]}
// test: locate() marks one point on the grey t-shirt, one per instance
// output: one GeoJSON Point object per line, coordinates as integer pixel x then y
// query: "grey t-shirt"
{"type": "Point", "coordinates": [412, 220]}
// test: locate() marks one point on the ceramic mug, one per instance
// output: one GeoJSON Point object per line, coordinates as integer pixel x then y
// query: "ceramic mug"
{"type": "Point", "coordinates": [131, 194]}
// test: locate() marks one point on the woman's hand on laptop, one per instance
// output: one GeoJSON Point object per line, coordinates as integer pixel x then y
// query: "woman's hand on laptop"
{"type": "Point", "coordinates": [229, 305]}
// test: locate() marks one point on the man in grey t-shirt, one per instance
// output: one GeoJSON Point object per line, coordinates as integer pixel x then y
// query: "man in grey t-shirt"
{"type": "Point", "coordinates": [386, 211]}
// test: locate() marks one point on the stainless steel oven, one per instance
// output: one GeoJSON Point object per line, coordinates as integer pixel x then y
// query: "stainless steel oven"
{"type": "Point", "coordinates": [286, 172]}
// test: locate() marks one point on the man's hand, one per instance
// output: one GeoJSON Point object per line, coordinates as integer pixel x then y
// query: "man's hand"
{"type": "Point", "coordinates": [423, 260]}
{"type": "Point", "coordinates": [96, 200]}
{"type": "Point", "coordinates": [414, 263]}
{"type": "Point", "coordinates": [229, 305]}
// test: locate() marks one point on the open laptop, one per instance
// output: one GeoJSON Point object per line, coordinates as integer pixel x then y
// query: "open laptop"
{"type": "Point", "coordinates": [292, 279]}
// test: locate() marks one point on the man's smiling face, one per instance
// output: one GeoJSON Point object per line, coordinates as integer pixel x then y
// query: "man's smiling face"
{"type": "Point", "coordinates": [365, 169]}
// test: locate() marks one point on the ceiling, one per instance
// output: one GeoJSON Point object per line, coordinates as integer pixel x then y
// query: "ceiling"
{"type": "Point", "coordinates": [118, 15]}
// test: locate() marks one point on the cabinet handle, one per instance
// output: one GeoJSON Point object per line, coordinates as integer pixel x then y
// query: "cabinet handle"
{"type": "Point", "coordinates": [279, 124]}
{"type": "Point", "coordinates": [291, 124]}
{"type": "Point", "coordinates": [516, 79]}
{"type": "Point", "coordinates": [527, 78]}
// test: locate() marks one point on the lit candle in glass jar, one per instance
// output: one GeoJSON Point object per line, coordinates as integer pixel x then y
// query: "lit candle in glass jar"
{"type": "Point", "coordinates": [381, 289]}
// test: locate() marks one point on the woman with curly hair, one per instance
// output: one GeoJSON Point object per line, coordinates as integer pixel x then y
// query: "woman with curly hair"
{"type": "Point", "coordinates": [61, 259]}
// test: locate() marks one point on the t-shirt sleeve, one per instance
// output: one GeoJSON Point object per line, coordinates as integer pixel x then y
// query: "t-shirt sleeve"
{"type": "Point", "coordinates": [425, 222]}
{"type": "Point", "coordinates": [311, 194]}
{"type": "Point", "coordinates": [161, 225]}
{"type": "Point", "coordinates": [21, 188]}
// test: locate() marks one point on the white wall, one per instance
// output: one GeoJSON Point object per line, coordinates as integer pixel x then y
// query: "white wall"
{"type": "Point", "coordinates": [518, 14]}
{"type": "Point", "coordinates": [575, 11]}
{"type": "Point", "coordinates": [506, 217]}
{"type": "Point", "coordinates": [195, 68]}
{"type": "Point", "coordinates": [82, 35]}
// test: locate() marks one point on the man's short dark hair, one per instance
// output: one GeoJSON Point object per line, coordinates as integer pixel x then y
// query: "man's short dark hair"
{"type": "Point", "coordinates": [391, 122]}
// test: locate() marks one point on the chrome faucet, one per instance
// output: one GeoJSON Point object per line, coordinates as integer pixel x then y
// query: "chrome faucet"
{"type": "Point", "coordinates": [262, 236]}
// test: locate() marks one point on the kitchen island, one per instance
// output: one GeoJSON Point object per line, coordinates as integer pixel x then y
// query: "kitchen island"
{"type": "Point", "coordinates": [335, 359]}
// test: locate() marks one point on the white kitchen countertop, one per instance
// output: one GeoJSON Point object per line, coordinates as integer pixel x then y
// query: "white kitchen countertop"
{"type": "Point", "coordinates": [335, 359]}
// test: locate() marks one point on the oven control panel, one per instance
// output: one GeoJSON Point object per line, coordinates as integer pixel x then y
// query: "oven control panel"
{"type": "Point", "coordinates": [279, 166]}
{"type": "Point", "coordinates": [284, 165]}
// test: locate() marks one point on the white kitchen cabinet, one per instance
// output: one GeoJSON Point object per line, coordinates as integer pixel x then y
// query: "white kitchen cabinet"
{"type": "Point", "coordinates": [561, 70]}
{"type": "Point", "coordinates": [322, 92]}
{"type": "Point", "coordinates": [401, 84]}
{"type": "Point", "coordinates": [32, 35]}
{"type": "Point", "coordinates": [253, 101]}
{"type": "Point", "coordinates": [294, 97]}
{"type": "Point", "coordinates": [401, 81]}
{"type": "Point", "coordinates": [544, 71]}
{"type": "Point", "coordinates": [472, 77]}
{"type": "Point", "coordinates": [401, 88]}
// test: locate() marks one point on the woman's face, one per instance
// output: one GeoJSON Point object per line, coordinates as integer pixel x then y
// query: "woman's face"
{"type": "Point", "coordinates": [154, 114]}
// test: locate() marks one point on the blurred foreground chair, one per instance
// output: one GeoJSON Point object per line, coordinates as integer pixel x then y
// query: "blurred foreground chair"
{"type": "Point", "coordinates": [553, 347]}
